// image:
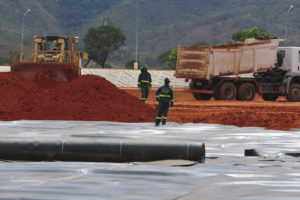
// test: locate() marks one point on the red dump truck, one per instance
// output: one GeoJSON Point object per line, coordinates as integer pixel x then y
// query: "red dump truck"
{"type": "Point", "coordinates": [239, 71]}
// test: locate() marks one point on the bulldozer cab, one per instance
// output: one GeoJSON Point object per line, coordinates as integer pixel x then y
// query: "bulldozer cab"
{"type": "Point", "coordinates": [54, 48]}
{"type": "Point", "coordinates": [53, 59]}
{"type": "Point", "coordinates": [49, 44]}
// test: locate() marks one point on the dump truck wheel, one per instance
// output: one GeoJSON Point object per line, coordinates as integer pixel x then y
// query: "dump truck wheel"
{"type": "Point", "coordinates": [200, 96]}
{"type": "Point", "coordinates": [227, 91]}
{"type": "Point", "coordinates": [246, 92]}
{"type": "Point", "coordinates": [294, 92]}
{"type": "Point", "coordinates": [192, 84]}
{"type": "Point", "coordinates": [269, 97]}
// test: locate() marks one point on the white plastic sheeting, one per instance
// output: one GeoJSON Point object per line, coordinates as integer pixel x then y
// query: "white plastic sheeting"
{"type": "Point", "coordinates": [226, 174]}
{"type": "Point", "coordinates": [4, 68]}
{"type": "Point", "coordinates": [129, 78]}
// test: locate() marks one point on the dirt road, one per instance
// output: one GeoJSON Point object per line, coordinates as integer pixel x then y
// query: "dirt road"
{"type": "Point", "coordinates": [281, 114]}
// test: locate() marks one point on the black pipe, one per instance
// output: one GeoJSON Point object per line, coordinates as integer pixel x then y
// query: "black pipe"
{"type": "Point", "coordinates": [100, 152]}
{"type": "Point", "coordinates": [251, 152]}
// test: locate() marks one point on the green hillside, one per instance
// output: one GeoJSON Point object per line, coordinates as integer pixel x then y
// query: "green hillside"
{"type": "Point", "coordinates": [163, 24]}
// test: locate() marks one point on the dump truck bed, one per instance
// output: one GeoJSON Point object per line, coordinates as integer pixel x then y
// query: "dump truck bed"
{"type": "Point", "coordinates": [230, 59]}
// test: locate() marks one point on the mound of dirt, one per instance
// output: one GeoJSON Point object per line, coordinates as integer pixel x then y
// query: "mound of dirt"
{"type": "Point", "coordinates": [87, 98]}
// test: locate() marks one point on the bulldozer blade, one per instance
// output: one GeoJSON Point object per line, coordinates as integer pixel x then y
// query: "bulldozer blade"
{"type": "Point", "coordinates": [47, 73]}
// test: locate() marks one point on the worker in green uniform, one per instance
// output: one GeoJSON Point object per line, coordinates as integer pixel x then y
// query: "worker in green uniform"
{"type": "Point", "coordinates": [144, 82]}
{"type": "Point", "coordinates": [164, 95]}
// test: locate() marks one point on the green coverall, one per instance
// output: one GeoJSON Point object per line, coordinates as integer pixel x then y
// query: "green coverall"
{"type": "Point", "coordinates": [144, 82]}
{"type": "Point", "coordinates": [164, 95]}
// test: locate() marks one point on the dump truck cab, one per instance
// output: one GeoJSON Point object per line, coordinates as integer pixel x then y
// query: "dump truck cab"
{"type": "Point", "coordinates": [290, 57]}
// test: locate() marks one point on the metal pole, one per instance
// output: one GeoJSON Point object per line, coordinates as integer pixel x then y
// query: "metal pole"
{"type": "Point", "coordinates": [286, 24]}
{"type": "Point", "coordinates": [137, 30]}
{"type": "Point", "coordinates": [21, 56]}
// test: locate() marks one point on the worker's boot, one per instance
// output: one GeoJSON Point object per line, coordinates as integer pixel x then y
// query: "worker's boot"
{"type": "Point", "coordinates": [164, 121]}
{"type": "Point", "coordinates": [157, 121]}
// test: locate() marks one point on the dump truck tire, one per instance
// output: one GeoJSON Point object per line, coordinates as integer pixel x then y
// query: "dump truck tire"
{"type": "Point", "coordinates": [294, 92]}
{"type": "Point", "coordinates": [227, 91]}
{"type": "Point", "coordinates": [246, 92]}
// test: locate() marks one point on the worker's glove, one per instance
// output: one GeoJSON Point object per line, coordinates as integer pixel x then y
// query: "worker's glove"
{"type": "Point", "coordinates": [172, 104]}
{"type": "Point", "coordinates": [139, 86]}
{"type": "Point", "coordinates": [157, 99]}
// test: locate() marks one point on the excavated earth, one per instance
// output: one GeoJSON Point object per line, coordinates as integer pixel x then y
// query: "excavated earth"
{"type": "Point", "coordinates": [87, 98]}
{"type": "Point", "coordinates": [93, 98]}
{"type": "Point", "coordinates": [280, 115]}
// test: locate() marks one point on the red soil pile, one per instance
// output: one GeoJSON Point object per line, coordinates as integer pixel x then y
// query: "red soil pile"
{"type": "Point", "coordinates": [87, 98]}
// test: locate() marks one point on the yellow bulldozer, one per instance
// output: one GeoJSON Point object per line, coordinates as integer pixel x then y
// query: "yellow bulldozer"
{"type": "Point", "coordinates": [54, 59]}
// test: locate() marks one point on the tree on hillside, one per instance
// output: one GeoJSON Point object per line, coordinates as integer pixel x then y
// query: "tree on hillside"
{"type": "Point", "coordinates": [100, 41]}
{"type": "Point", "coordinates": [4, 60]}
{"type": "Point", "coordinates": [241, 36]}
{"type": "Point", "coordinates": [168, 58]}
